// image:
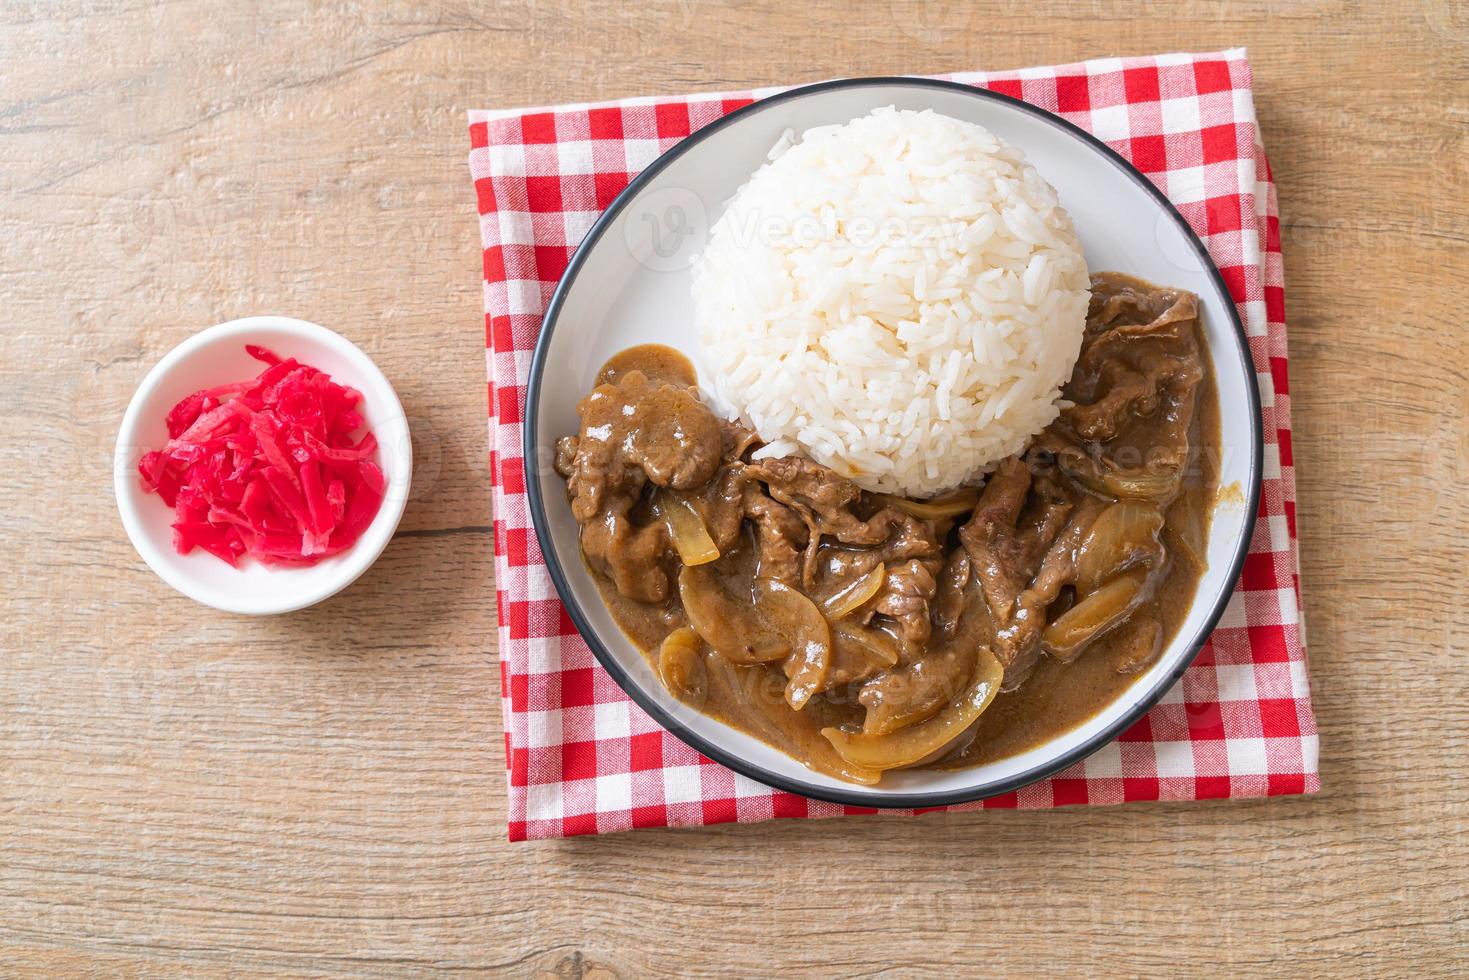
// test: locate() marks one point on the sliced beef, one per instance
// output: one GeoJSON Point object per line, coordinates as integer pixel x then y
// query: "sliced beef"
{"type": "Point", "coordinates": [1010, 531]}
{"type": "Point", "coordinates": [1018, 639]}
{"type": "Point", "coordinates": [1133, 391]}
{"type": "Point", "coordinates": [721, 503]}
{"type": "Point", "coordinates": [1127, 392]}
{"type": "Point", "coordinates": [635, 431]}
{"type": "Point", "coordinates": [907, 590]}
{"type": "Point", "coordinates": [949, 597]}
{"type": "Point", "coordinates": [631, 555]}
{"type": "Point", "coordinates": [829, 504]}
{"type": "Point", "coordinates": [780, 536]}
{"type": "Point", "coordinates": [817, 491]}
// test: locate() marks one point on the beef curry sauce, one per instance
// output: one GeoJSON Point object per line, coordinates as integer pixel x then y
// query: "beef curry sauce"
{"type": "Point", "coordinates": [860, 632]}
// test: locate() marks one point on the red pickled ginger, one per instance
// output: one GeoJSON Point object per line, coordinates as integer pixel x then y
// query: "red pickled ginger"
{"type": "Point", "coordinates": [269, 469]}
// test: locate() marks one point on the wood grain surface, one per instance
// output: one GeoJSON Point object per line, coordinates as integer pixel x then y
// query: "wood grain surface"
{"type": "Point", "coordinates": [184, 792]}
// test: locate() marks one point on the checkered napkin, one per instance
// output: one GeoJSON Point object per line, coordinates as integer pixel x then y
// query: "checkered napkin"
{"type": "Point", "coordinates": [584, 759]}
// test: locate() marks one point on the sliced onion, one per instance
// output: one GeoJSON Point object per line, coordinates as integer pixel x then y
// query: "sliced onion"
{"type": "Point", "coordinates": [680, 665]}
{"type": "Point", "coordinates": [918, 743]}
{"type": "Point", "coordinates": [796, 617]}
{"type": "Point", "coordinates": [729, 627]}
{"type": "Point", "coordinates": [687, 529]}
{"type": "Point", "coordinates": [875, 644]}
{"type": "Point", "coordinates": [1142, 484]}
{"type": "Point", "coordinates": [1139, 484]}
{"type": "Point", "coordinates": [856, 594]}
{"type": "Point", "coordinates": [1094, 615]}
{"type": "Point", "coordinates": [956, 504]}
{"type": "Point", "coordinates": [1188, 532]}
{"type": "Point", "coordinates": [1122, 536]}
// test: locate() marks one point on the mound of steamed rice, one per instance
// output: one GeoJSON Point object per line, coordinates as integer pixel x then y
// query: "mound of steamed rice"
{"type": "Point", "coordinates": [899, 298]}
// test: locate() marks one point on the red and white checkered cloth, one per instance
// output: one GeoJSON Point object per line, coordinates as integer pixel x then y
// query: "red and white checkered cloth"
{"type": "Point", "coordinates": [584, 759]}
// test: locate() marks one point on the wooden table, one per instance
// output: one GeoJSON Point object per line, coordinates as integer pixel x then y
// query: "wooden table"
{"type": "Point", "coordinates": [189, 792]}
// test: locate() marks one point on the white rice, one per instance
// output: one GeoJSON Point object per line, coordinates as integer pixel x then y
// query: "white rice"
{"type": "Point", "coordinates": [900, 298]}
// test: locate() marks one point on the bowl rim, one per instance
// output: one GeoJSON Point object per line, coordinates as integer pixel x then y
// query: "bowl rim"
{"type": "Point", "coordinates": [871, 797]}
{"type": "Point", "coordinates": [351, 564]}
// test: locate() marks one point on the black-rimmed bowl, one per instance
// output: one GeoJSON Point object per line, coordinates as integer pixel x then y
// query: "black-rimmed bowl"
{"type": "Point", "coordinates": [629, 283]}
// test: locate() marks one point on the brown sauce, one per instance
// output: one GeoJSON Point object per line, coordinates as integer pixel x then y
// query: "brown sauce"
{"type": "Point", "coordinates": [656, 361]}
{"type": "Point", "coordinates": [1058, 697]}
{"type": "Point", "coordinates": [622, 487]}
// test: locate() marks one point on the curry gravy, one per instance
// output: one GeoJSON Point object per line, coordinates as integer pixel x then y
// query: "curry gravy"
{"type": "Point", "coordinates": [1058, 697]}
{"type": "Point", "coordinates": [1054, 698]}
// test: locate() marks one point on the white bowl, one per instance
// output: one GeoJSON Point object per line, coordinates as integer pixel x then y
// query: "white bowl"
{"type": "Point", "coordinates": [217, 356]}
{"type": "Point", "coordinates": [629, 283]}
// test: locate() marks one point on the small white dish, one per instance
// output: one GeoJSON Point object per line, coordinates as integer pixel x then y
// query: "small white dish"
{"type": "Point", "coordinates": [629, 283]}
{"type": "Point", "coordinates": [217, 356]}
